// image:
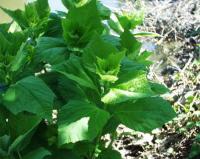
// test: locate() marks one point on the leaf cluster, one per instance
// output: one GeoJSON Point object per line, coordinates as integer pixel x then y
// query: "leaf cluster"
{"type": "Point", "coordinates": [67, 79]}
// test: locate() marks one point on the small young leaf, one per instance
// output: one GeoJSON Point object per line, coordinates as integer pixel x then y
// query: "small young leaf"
{"type": "Point", "coordinates": [79, 29]}
{"type": "Point", "coordinates": [104, 61]}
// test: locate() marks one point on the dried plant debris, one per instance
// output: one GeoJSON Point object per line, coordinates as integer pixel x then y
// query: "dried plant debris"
{"type": "Point", "coordinates": [175, 18]}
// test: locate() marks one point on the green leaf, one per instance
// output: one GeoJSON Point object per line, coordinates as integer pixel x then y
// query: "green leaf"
{"type": "Point", "coordinates": [74, 4]}
{"type": "Point", "coordinates": [129, 42]}
{"type": "Point", "coordinates": [83, 148]}
{"type": "Point", "coordinates": [43, 9]}
{"type": "Point", "coordinates": [34, 14]}
{"type": "Point", "coordinates": [30, 94]}
{"type": "Point", "coordinates": [135, 81]}
{"type": "Point", "coordinates": [54, 26]}
{"type": "Point", "coordinates": [146, 34]}
{"type": "Point", "coordinates": [195, 150]}
{"type": "Point", "coordinates": [4, 144]}
{"type": "Point", "coordinates": [104, 61]}
{"type": "Point", "coordinates": [143, 58]}
{"type": "Point", "coordinates": [3, 123]}
{"type": "Point", "coordinates": [80, 121]}
{"type": "Point", "coordinates": [109, 154]}
{"type": "Point", "coordinates": [39, 153]}
{"type": "Point", "coordinates": [68, 3]}
{"type": "Point", "coordinates": [144, 114]}
{"type": "Point", "coordinates": [129, 66]}
{"type": "Point", "coordinates": [74, 71]}
{"type": "Point", "coordinates": [20, 59]}
{"type": "Point", "coordinates": [159, 88]}
{"type": "Point", "coordinates": [114, 24]}
{"type": "Point", "coordinates": [112, 39]}
{"type": "Point", "coordinates": [79, 29]}
{"type": "Point", "coordinates": [17, 16]}
{"type": "Point", "coordinates": [111, 125]}
{"type": "Point", "coordinates": [115, 96]}
{"type": "Point", "coordinates": [129, 20]}
{"type": "Point", "coordinates": [129, 86]}
{"type": "Point", "coordinates": [15, 39]}
{"type": "Point", "coordinates": [63, 154]}
{"type": "Point", "coordinates": [51, 50]}
{"type": "Point", "coordinates": [98, 47]}
{"type": "Point", "coordinates": [69, 90]}
{"type": "Point", "coordinates": [31, 14]}
{"type": "Point", "coordinates": [5, 27]}
{"type": "Point", "coordinates": [109, 68]}
{"type": "Point", "coordinates": [18, 136]}
{"type": "Point", "coordinates": [4, 45]}
{"type": "Point", "coordinates": [21, 134]}
{"type": "Point", "coordinates": [103, 10]}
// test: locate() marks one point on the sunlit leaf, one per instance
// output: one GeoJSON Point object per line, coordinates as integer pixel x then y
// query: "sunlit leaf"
{"type": "Point", "coordinates": [30, 94]}
{"type": "Point", "coordinates": [79, 121]}
{"type": "Point", "coordinates": [144, 114]}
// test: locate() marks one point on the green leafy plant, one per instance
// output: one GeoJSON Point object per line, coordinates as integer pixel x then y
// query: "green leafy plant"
{"type": "Point", "coordinates": [67, 79]}
{"type": "Point", "coordinates": [195, 149]}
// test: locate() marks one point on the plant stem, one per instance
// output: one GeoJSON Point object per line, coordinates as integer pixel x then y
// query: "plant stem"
{"type": "Point", "coordinates": [20, 157]}
{"type": "Point", "coordinates": [112, 137]}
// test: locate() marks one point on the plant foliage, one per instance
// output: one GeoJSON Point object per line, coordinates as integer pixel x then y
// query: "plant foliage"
{"type": "Point", "coordinates": [67, 79]}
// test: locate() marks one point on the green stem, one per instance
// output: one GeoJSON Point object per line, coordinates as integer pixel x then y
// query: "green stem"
{"type": "Point", "coordinates": [20, 157]}
{"type": "Point", "coordinates": [112, 137]}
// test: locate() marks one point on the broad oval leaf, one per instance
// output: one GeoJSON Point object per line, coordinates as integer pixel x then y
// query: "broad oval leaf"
{"type": "Point", "coordinates": [30, 94]}
{"type": "Point", "coordinates": [51, 50]}
{"type": "Point", "coordinates": [79, 121]}
{"type": "Point", "coordinates": [74, 71]}
{"type": "Point", "coordinates": [144, 114]}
